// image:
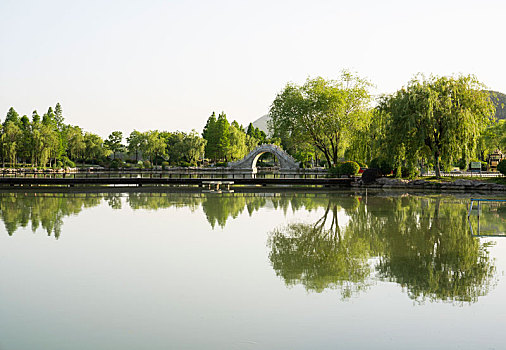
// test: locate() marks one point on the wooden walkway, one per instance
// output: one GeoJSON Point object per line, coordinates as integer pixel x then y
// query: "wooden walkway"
{"type": "Point", "coordinates": [172, 181]}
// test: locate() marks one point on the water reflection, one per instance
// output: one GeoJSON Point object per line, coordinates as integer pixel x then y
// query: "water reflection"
{"type": "Point", "coordinates": [428, 250]}
{"type": "Point", "coordinates": [422, 243]}
{"type": "Point", "coordinates": [47, 210]}
{"type": "Point", "coordinates": [321, 255]}
{"type": "Point", "coordinates": [42, 210]}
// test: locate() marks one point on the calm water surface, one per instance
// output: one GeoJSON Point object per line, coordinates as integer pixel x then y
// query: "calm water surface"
{"type": "Point", "coordinates": [250, 271]}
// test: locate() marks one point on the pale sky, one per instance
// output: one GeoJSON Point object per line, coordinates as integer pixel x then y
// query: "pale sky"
{"type": "Point", "coordinates": [124, 65]}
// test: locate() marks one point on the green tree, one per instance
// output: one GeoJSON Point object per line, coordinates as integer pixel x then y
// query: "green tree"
{"type": "Point", "coordinates": [491, 139]}
{"type": "Point", "coordinates": [256, 133]}
{"type": "Point", "coordinates": [58, 117]}
{"type": "Point", "coordinates": [237, 142]}
{"type": "Point", "coordinates": [135, 143]}
{"type": "Point", "coordinates": [210, 134]}
{"type": "Point", "coordinates": [76, 143]}
{"type": "Point", "coordinates": [51, 139]}
{"type": "Point", "coordinates": [11, 138]}
{"type": "Point", "coordinates": [194, 147]}
{"type": "Point", "coordinates": [223, 136]}
{"type": "Point", "coordinates": [61, 129]}
{"type": "Point", "coordinates": [94, 147]}
{"type": "Point", "coordinates": [183, 147]}
{"type": "Point", "coordinates": [323, 113]}
{"type": "Point", "coordinates": [251, 143]}
{"type": "Point", "coordinates": [12, 116]}
{"type": "Point", "coordinates": [25, 145]}
{"type": "Point", "coordinates": [437, 117]}
{"type": "Point", "coordinates": [154, 146]}
{"type": "Point", "coordinates": [114, 143]}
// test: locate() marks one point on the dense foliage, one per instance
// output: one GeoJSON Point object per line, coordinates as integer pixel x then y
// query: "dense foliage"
{"type": "Point", "coordinates": [345, 168]}
{"type": "Point", "coordinates": [436, 118]}
{"type": "Point", "coordinates": [431, 123]}
{"type": "Point", "coordinates": [321, 114]}
{"type": "Point", "coordinates": [49, 142]}
{"type": "Point", "coordinates": [501, 167]}
{"type": "Point", "coordinates": [229, 141]}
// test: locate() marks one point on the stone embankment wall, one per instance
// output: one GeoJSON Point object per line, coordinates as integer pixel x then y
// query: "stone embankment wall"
{"type": "Point", "coordinates": [460, 184]}
{"type": "Point", "coordinates": [35, 170]}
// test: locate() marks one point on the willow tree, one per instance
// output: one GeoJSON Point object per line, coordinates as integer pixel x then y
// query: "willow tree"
{"type": "Point", "coordinates": [322, 113]}
{"type": "Point", "coordinates": [437, 117]}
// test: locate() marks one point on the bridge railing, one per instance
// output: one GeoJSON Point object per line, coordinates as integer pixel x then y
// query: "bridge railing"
{"type": "Point", "coordinates": [166, 175]}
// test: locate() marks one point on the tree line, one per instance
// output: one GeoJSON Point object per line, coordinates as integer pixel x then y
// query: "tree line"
{"type": "Point", "coordinates": [230, 141]}
{"type": "Point", "coordinates": [431, 123]}
{"type": "Point", "coordinates": [48, 141]}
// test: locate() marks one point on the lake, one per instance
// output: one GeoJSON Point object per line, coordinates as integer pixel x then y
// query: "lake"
{"type": "Point", "coordinates": [124, 269]}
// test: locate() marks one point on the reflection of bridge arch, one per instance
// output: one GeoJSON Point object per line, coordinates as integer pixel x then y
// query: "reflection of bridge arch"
{"type": "Point", "coordinates": [286, 162]}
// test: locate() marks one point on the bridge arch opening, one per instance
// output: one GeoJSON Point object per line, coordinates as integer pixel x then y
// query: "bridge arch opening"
{"type": "Point", "coordinates": [267, 159]}
{"type": "Point", "coordinates": [249, 162]}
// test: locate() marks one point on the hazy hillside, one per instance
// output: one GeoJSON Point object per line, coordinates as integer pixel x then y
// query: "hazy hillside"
{"type": "Point", "coordinates": [261, 123]}
{"type": "Point", "coordinates": [499, 100]}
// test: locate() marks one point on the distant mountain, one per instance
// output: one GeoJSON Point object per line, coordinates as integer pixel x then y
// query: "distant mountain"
{"type": "Point", "coordinates": [499, 100]}
{"type": "Point", "coordinates": [261, 123]}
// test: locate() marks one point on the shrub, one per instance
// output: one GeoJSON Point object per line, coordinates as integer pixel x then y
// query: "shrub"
{"type": "Point", "coordinates": [146, 164]}
{"type": "Point", "coordinates": [335, 171]}
{"type": "Point", "coordinates": [66, 162]}
{"type": "Point", "coordinates": [349, 168]}
{"type": "Point", "coordinates": [344, 168]}
{"type": "Point", "coordinates": [462, 164]}
{"type": "Point", "coordinates": [382, 164]}
{"type": "Point", "coordinates": [370, 175]}
{"type": "Point", "coordinates": [116, 164]}
{"type": "Point", "coordinates": [501, 167]}
{"type": "Point", "coordinates": [409, 172]}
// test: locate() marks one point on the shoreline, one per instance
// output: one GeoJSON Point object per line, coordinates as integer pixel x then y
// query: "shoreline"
{"type": "Point", "coordinates": [450, 186]}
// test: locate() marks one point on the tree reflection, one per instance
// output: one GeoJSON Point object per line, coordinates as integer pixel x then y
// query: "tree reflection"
{"type": "Point", "coordinates": [321, 255]}
{"type": "Point", "coordinates": [428, 250]}
{"type": "Point", "coordinates": [41, 210]}
{"type": "Point", "coordinates": [421, 244]}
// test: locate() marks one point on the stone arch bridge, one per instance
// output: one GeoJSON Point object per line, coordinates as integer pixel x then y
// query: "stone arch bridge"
{"type": "Point", "coordinates": [286, 161]}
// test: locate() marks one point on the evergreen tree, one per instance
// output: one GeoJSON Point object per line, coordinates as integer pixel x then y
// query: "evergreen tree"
{"type": "Point", "coordinates": [210, 134]}
{"type": "Point", "coordinates": [12, 116]}
{"type": "Point", "coordinates": [25, 145]}
{"type": "Point", "coordinates": [35, 117]}
{"type": "Point", "coordinates": [58, 117]}
{"type": "Point", "coordinates": [223, 135]}
{"type": "Point", "coordinates": [250, 131]}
